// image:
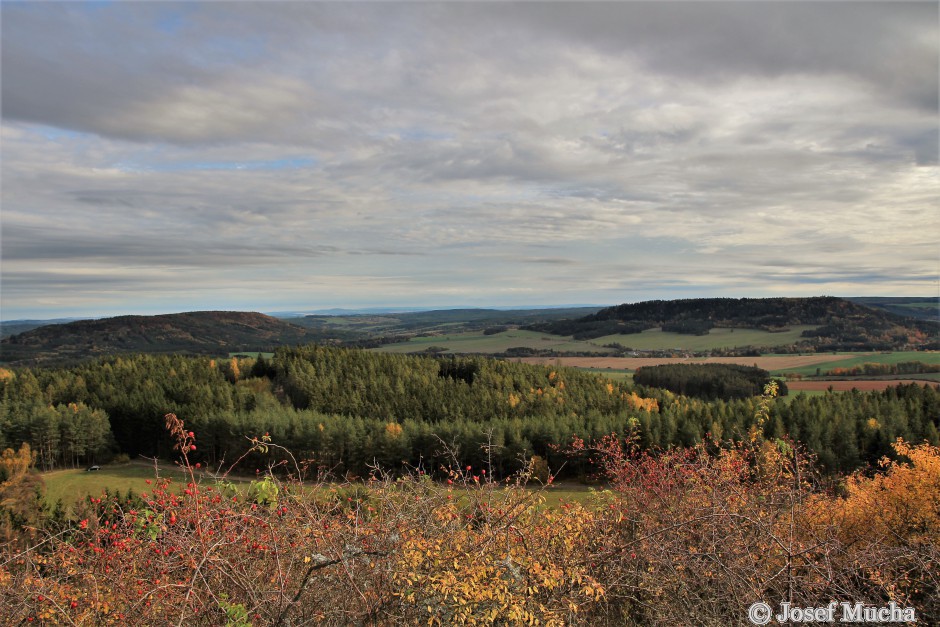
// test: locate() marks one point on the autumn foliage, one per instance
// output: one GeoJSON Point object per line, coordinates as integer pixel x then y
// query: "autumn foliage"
{"type": "Point", "coordinates": [678, 537]}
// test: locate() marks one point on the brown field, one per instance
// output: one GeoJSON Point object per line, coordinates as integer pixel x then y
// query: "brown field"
{"type": "Point", "coordinates": [860, 385]}
{"type": "Point", "coordinates": [770, 363]}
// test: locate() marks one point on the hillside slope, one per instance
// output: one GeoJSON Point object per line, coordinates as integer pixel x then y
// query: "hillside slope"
{"type": "Point", "coordinates": [840, 324]}
{"type": "Point", "coordinates": [199, 332]}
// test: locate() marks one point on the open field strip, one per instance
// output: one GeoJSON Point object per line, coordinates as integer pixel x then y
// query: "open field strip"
{"type": "Point", "coordinates": [862, 385]}
{"type": "Point", "coordinates": [771, 363]}
{"type": "Point", "coordinates": [657, 339]}
{"type": "Point", "coordinates": [72, 485]}
{"type": "Point", "coordinates": [851, 360]}
{"type": "Point", "coordinates": [496, 343]}
{"type": "Point", "coordinates": [75, 484]}
{"type": "Point", "coordinates": [651, 339]}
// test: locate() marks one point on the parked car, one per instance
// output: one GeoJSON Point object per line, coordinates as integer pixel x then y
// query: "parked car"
{"type": "Point", "coordinates": [90, 468]}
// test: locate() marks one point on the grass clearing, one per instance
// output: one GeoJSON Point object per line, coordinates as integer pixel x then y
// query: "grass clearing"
{"type": "Point", "coordinates": [72, 485]}
{"type": "Point", "coordinates": [657, 339]}
{"type": "Point", "coordinates": [75, 484]}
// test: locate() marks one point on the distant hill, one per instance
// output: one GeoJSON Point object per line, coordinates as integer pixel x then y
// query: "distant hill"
{"type": "Point", "coordinates": [199, 332]}
{"type": "Point", "coordinates": [925, 308]}
{"type": "Point", "coordinates": [363, 328]}
{"type": "Point", "coordinates": [12, 327]}
{"type": "Point", "coordinates": [839, 324]}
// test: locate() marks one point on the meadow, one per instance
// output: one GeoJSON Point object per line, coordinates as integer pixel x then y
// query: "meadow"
{"type": "Point", "coordinates": [74, 484]}
{"type": "Point", "coordinates": [717, 338]}
{"type": "Point", "coordinates": [649, 340]}
{"type": "Point", "coordinates": [476, 342]}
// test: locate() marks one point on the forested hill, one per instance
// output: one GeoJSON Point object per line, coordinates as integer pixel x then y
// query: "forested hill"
{"type": "Point", "coordinates": [198, 332]}
{"type": "Point", "coordinates": [840, 324]}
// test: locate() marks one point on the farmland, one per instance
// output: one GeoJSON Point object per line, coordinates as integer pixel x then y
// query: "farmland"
{"type": "Point", "coordinates": [649, 340]}
{"type": "Point", "coordinates": [657, 339]}
{"type": "Point", "coordinates": [496, 343]}
{"type": "Point", "coordinates": [805, 365]}
{"type": "Point", "coordinates": [862, 385]}
{"type": "Point", "coordinates": [771, 363]}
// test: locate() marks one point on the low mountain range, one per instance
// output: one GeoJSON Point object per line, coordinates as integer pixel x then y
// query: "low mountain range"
{"type": "Point", "coordinates": [831, 324]}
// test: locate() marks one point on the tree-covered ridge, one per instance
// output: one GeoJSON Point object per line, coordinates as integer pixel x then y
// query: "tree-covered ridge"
{"type": "Point", "coordinates": [346, 409]}
{"type": "Point", "coordinates": [198, 332]}
{"type": "Point", "coordinates": [841, 324]}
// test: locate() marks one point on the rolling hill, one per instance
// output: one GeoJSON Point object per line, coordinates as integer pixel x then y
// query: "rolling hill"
{"type": "Point", "coordinates": [838, 324]}
{"type": "Point", "coordinates": [198, 332]}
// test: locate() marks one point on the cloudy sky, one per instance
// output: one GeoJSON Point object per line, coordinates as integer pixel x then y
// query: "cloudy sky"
{"type": "Point", "coordinates": [269, 156]}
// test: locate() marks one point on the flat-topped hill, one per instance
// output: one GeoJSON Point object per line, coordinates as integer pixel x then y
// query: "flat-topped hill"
{"type": "Point", "coordinates": [199, 332]}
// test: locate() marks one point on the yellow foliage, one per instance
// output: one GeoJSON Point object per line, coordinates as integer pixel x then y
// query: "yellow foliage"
{"type": "Point", "coordinates": [638, 402]}
{"type": "Point", "coordinates": [525, 570]}
{"type": "Point", "coordinates": [393, 430]}
{"type": "Point", "coordinates": [900, 502]}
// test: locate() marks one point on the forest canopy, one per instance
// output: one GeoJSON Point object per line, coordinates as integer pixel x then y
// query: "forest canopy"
{"type": "Point", "coordinates": [347, 409]}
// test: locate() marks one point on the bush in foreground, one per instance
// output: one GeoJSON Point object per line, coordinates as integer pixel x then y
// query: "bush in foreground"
{"type": "Point", "coordinates": [682, 537]}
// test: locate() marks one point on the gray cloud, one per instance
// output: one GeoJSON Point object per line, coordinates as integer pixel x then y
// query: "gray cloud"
{"type": "Point", "coordinates": [284, 154]}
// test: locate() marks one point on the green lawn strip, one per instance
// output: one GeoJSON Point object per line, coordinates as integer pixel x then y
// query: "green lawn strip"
{"type": "Point", "coordinates": [72, 485]}
{"type": "Point", "coordinates": [75, 484]}
{"type": "Point", "coordinates": [657, 339]}
{"type": "Point", "coordinates": [612, 373]}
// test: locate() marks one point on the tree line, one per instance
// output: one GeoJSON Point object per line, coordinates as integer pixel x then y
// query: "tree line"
{"type": "Point", "coordinates": [348, 409]}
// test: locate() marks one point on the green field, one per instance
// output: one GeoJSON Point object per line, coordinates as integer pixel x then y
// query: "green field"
{"type": "Point", "coordinates": [854, 359]}
{"type": "Point", "coordinates": [612, 373]}
{"type": "Point", "coordinates": [656, 339]}
{"type": "Point", "coordinates": [75, 484]}
{"type": "Point", "coordinates": [496, 343]}
{"type": "Point", "coordinates": [72, 485]}
{"type": "Point", "coordinates": [649, 340]}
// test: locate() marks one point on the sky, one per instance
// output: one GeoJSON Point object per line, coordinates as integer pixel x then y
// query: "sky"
{"type": "Point", "coordinates": [158, 157]}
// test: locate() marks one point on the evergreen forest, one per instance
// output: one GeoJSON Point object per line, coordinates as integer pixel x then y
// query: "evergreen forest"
{"type": "Point", "coordinates": [349, 410]}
